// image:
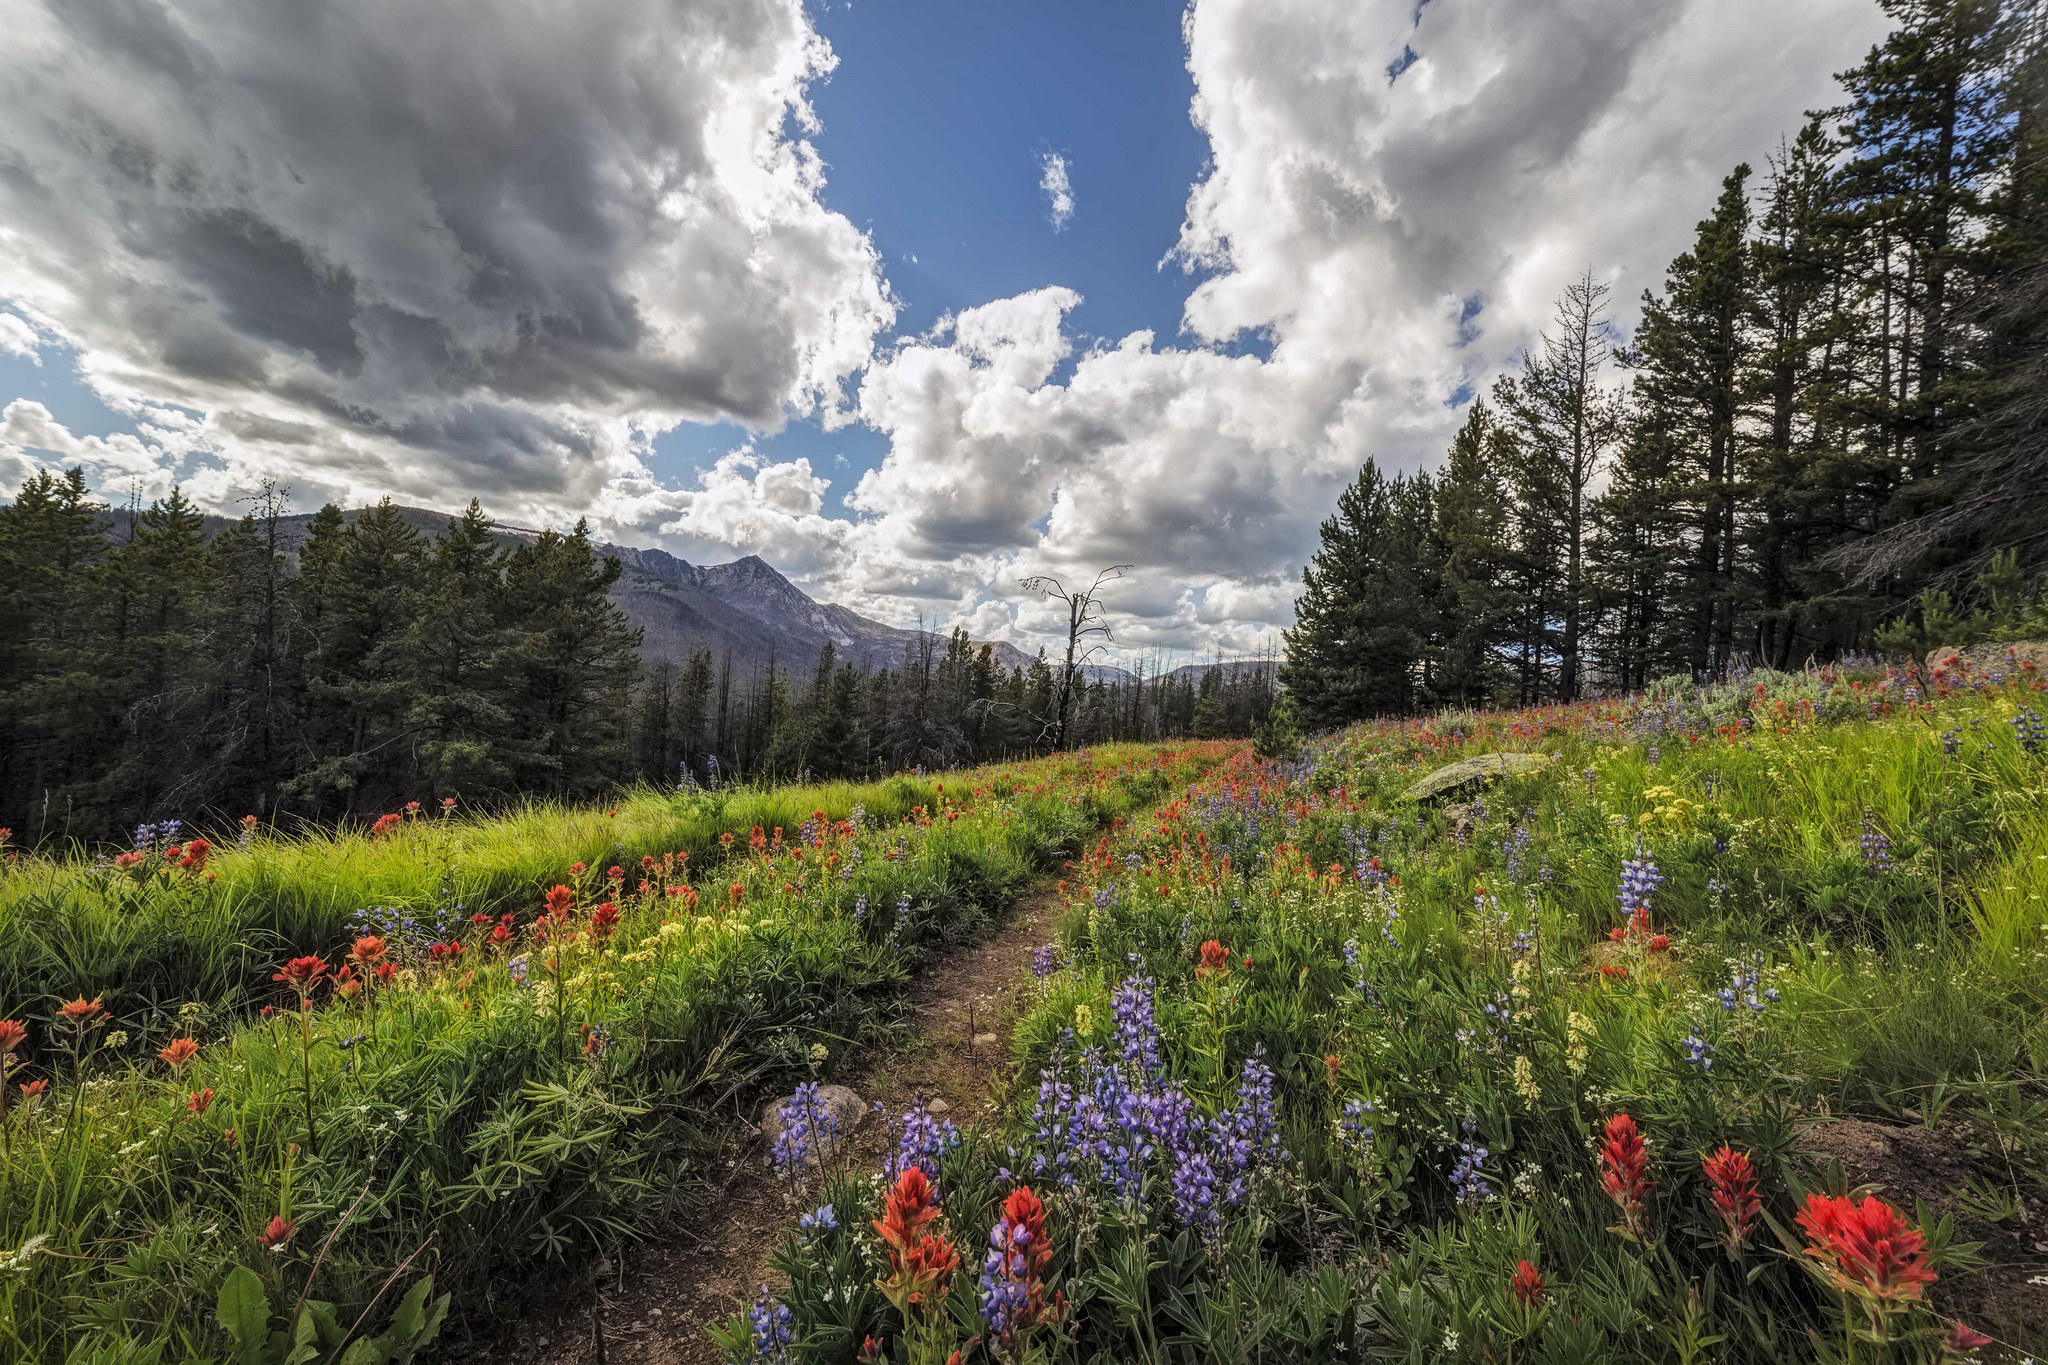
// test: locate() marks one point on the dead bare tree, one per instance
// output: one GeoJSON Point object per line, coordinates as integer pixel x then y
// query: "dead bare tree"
{"type": "Point", "coordinates": [1084, 623]}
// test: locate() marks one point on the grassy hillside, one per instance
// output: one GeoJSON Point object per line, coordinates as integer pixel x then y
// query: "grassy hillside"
{"type": "Point", "coordinates": [513, 1062]}
{"type": "Point", "coordinates": [1588, 1067]}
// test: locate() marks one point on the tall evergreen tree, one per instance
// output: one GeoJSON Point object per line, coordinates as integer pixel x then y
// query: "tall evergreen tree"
{"type": "Point", "coordinates": [1563, 422]}
{"type": "Point", "coordinates": [1691, 354]}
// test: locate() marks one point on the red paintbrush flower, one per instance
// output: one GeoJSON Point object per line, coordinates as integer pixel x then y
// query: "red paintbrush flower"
{"type": "Point", "coordinates": [1625, 1173]}
{"type": "Point", "coordinates": [558, 900]}
{"type": "Point", "coordinates": [603, 921]}
{"type": "Point", "coordinates": [13, 1033]}
{"type": "Point", "coordinates": [1732, 1182]}
{"type": "Point", "coordinates": [920, 1262]}
{"type": "Point", "coordinates": [276, 1234]}
{"type": "Point", "coordinates": [1866, 1248]}
{"type": "Point", "coordinates": [82, 1011]}
{"type": "Point", "coordinates": [201, 1101]}
{"type": "Point", "coordinates": [178, 1052]}
{"type": "Point", "coordinates": [385, 824]}
{"type": "Point", "coordinates": [369, 950]}
{"type": "Point", "coordinates": [302, 974]}
{"type": "Point", "coordinates": [31, 1089]}
{"type": "Point", "coordinates": [1215, 959]}
{"type": "Point", "coordinates": [1960, 1340]}
{"type": "Point", "coordinates": [385, 971]}
{"type": "Point", "coordinates": [1527, 1284]}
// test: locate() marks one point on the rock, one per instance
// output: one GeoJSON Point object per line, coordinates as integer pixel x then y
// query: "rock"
{"type": "Point", "coordinates": [845, 1109]}
{"type": "Point", "coordinates": [1991, 660]}
{"type": "Point", "coordinates": [1459, 821]}
{"type": "Point", "coordinates": [986, 1039]}
{"type": "Point", "coordinates": [938, 1107]}
{"type": "Point", "coordinates": [1468, 773]}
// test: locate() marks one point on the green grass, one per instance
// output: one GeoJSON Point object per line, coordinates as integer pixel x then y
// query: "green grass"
{"type": "Point", "coordinates": [481, 1128]}
{"type": "Point", "coordinates": [75, 926]}
{"type": "Point", "coordinates": [1881, 862]}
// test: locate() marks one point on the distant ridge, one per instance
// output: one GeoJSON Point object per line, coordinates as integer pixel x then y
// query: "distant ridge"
{"type": "Point", "coordinates": [745, 608]}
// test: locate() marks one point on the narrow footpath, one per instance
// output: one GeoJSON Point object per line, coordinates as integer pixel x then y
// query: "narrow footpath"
{"type": "Point", "coordinates": [660, 1295]}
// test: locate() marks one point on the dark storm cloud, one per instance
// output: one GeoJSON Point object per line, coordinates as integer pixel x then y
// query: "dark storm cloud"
{"type": "Point", "coordinates": [436, 223]}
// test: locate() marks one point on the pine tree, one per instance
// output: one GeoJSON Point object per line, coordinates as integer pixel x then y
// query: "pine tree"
{"type": "Point", "coordinates": [358, 590]}
{"type": "Point", "coordinates": [575, 659]}
{"type": "Point", "coordinates": [1691, 356]}
{"type": "Point", "coordinates": [1472, 531]}
{"type": "Point", "coordinates": [50, 541]}
{"type": "Point", "coordinates": [457, 661]}
{"type": "Point", "coordinates": [1563, 424]}
{"type": "Point", "coordinates": [1363, 625]}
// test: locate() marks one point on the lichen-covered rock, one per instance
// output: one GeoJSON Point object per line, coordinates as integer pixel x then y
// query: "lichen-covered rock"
{"type": "Point", "coordinates": [845, 1107]}
{"type": "Point", "coordinates": [2000, 660]}
{"type": "Point", "coordinates": [1477, 771]}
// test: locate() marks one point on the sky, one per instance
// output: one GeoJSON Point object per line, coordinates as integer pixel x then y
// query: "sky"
{"type": "Point", "coordinates": [912, 299]}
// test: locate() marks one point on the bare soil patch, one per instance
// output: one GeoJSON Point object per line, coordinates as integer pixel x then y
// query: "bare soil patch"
{"type": "Point", "coordinates": [1939, 1165]}
{"type": "Point", "coordinates": [654, 1302]}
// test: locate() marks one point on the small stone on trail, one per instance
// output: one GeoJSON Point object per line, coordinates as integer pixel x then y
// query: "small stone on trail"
{"type": "Point", "coordinates": [985, 1040]}
{"type": "Point", "coordinates": [937, 1107]}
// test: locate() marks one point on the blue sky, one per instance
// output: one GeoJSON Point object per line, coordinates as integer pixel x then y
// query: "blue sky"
{"type": "Point", "coordinates": [480, 248]}
{"type": "Point", "coordinates": [935, 125]}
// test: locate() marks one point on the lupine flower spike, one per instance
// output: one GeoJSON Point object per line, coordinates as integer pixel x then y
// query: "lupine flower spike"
{"type": "Point", "coordinates": [1013, 1273]}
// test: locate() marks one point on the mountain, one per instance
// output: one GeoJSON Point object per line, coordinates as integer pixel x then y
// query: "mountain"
{"type": "Point", "coordinates": [753, 611]}
{"type": "Point", "coordinates": [746, 609]}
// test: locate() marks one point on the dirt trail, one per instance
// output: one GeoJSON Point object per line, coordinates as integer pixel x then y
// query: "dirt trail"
{"type": "Point", "coordinates": [660, 1295]}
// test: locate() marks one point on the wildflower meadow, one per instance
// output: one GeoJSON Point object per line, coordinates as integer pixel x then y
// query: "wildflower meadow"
{"type": "Point", "coordinates": [1598, 1062]}
{"type": "Point", "coordinates": [273, 1098]}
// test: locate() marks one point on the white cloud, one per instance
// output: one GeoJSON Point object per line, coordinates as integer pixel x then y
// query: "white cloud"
{"type": "Point", "coordinates": [31, 437]}
{"type": "Point", "coordinates": [466, 247]}
{"type": "Point", "coordinates": [17, 338]}
{"type": "Point", "coordinates": [1390, 239]}
{"type": "Point", "coordinates": [432, 252]}
{"type": "Point", "coordinates": [1057, 188]}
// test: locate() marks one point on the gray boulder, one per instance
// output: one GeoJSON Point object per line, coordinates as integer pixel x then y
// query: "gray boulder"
{"type": "Point", "coordinates": [1469, 774]}
{"type": "Point", "coordinates": [2005, 658]}
{"type": "Point", "coordinates": [837, 1113]}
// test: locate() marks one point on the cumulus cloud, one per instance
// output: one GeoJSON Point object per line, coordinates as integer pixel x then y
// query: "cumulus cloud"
{"type": "Point", "coordinates": [1057, 189]}
{"type": "Point", "coordinates": [433, 249]}
{"type": "Point", "coordinates": [457, 248]}
{"type": "Point", "coordinates": [17, 338]}
{"type": "Point", "coordinates": [31, 436]}
{"type": "Point", "coordinates": [1394, 198]}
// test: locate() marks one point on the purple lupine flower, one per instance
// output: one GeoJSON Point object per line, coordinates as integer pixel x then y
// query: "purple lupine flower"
{"type": "Point", "coordinates": [1468, 1176]}
{"type": "Point", "coordinates": [808, 1125]}
{"type": "Point", "coordinates": [771, 1322]}
{"type": "Point", "coordinates": [1045, 960]}
{"type": "Point", "coordinates": [1877, 847]}
{"type": "Point", "coordinates": [1136, 1030]}
{"type": "Point", "coordinates": [1194, 1192]}
{"type": "Point", "coordinates": [924, 1140]}
{"type": "Point", "coordinates": [1639, 881]}
{"type": "Point", "coordinates": [823, 1218]}
{"type": "Point", "coordinates": [1005, 1276]}
{"type": "Point", "coordinates": [1248, 1132]}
